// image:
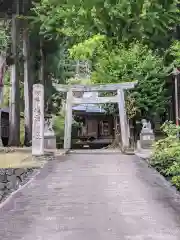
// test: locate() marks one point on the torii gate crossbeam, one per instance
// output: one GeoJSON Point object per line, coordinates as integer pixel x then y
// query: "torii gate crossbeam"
{"type": "Point", "coordinates": [119, 98]}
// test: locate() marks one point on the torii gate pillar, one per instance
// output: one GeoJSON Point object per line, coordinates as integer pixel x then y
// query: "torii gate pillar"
{"type": "Point", "coordinates": [68, 120]}
{"type": "Point", "coordinates": [119, 98]}
{"type": "Point", "coordinates": [123, 119]}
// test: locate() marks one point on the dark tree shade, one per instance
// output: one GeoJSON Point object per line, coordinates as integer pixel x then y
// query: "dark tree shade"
{"type": "Point", "coordinates": [9, 7]}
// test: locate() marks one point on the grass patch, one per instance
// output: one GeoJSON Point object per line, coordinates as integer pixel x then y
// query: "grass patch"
{"type": "Point", "coordinates": [18, 160]}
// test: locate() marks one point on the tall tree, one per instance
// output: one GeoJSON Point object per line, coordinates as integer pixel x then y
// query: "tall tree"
{"type": "Point", "coordinates": [28, 82]}
{"type": "Point", "coordinates": [14, 116]}
{"type": "Point", "coordinates": [121, 63]}
{"type": "Point", "coordinates": [147, 20]}
{"type": "Point", "coordinates": [137, 35]}
{"type": "Point", "coordinates": [4, 52]}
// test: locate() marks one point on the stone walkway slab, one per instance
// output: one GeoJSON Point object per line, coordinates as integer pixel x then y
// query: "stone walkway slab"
{"type": "Point", "coordinates": [144, 153]}
{"type": "Point", "coordinates": [93, 197]}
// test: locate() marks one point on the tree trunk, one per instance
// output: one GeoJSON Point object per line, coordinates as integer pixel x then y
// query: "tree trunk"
{"type": "Point", "coordinates": [42, 72]}
{"type": "Point", "coordinates": [27, 89]}
{"type": "Point", "coordinates": [14, 116]}
{"type": "Point", "coordinates": [42, 64]}
{"type": "Point", "coordinates": [2, 73]}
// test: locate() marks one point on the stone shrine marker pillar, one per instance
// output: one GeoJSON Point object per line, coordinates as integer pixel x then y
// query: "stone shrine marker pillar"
{"type": "Point", "coordinates": [38, 120]}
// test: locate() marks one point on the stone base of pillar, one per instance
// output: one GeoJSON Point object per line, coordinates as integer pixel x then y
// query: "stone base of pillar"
{"type": "Point", "coordinates": [50, 142]}
{"type": "Point", "coordinates": [1, 143]}
{"type": "Point", "coordinates": [49, 135]}
{"type": "Point", "coordinates": [147, 139]}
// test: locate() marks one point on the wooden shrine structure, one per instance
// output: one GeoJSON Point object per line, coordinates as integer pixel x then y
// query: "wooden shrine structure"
{"type": "Point", "coordinates": [118, 98]}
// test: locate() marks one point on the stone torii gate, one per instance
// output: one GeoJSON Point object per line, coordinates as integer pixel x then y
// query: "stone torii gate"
{"type": "Point", "coordinates": [119, 98]}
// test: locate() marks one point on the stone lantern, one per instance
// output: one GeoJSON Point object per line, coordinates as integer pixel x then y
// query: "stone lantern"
{"type": "Point", "coordinates": [49, 134]}
{"type": "Point", "coordinates": [147, 135]}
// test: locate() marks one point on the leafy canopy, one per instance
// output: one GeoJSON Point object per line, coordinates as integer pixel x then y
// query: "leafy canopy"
{"type": "Point", "coordinates": [121, 63]}
{"type": "Point", "coordinates": [125, 40]}
{"type": "Point", "coordinates": [147, 20]}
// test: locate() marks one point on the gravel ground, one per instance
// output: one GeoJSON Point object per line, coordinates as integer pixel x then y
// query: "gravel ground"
{"type": "Point", "coordinates": [93, 196]}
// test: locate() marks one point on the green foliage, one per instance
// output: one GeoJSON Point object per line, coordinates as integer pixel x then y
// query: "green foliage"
{"type": "Point", "coordinates": [123, 39]}
{"type": "Point", "coordinates": [170, 129]}
{"type": "Point", "coordinates": [120, 20]}
{"type": "Point", "coordinates": [131, 106]}
{"type": "Point", "coordinates": [121, 63]}
{"type": "Point", "coordinates": [58, 126]}
{"type": "Point", "coordinates": [85, 50]}
{"type": "Point", "coordinates": [176, 181]}
{"type": "Point", "coordinates": [4, 36]}
{"type": "Point", "coordinates": [175, 52]}
{"type": "Point", "coordinates": [6, 90]}
{"type": "Point", "coordinates": [166, 154]}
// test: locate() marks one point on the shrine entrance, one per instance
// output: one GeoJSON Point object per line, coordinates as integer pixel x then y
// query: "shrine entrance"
{"type": "Point", "coordinates": [71, 100]}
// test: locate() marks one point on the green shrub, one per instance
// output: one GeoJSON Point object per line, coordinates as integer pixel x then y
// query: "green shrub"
{"type": "Point", "coordinates": [176, 181]}
{"type": "Point", "coordinates": [58, 126]}
{"type": "Point", "coordinates": [166, 151]}
{"type": "Point", "coordinates": [166, 154]}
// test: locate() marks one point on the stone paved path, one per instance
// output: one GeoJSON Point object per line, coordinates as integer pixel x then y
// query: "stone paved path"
{"type": "Point", "coordinates": [93, 197]}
